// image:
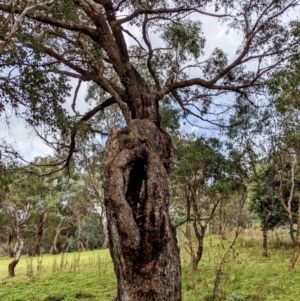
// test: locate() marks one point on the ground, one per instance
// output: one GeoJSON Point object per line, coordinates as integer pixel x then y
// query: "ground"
{"type": "Point", "coordinates": [89, 275]}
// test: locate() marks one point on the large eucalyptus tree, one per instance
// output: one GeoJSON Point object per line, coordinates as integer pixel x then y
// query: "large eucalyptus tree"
{"type": "Point", "coordinates": [138, 53]}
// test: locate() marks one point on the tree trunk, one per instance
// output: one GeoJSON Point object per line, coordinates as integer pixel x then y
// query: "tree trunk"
{"type": "Point", "coordinates": [53, 249]}
{"type": "Point", "coordinates": [297, 242]}
{"type": "Point", "coordinates": [265, 242]}
{"type": "Point", "coordinates": [197, 257]}
{"type": "Point", "coordinates": [142, 240]}
{"type": "Point", "coordinates": [9, 250]}
{"type": "Point", "coordinates": [292, 230]}
{"type": "Point", "coordinates": [81, 247]}
{"type": "Point", "coordinates": [265, 252]}
{"type": "Point", "coordinates": [39, 233]}
{"type": "Point", "coordinates": [12, 265]}
{"type": "Point", "coordinates": [105, 244]}
{"type": "Point", "coordinates": [222, 221]}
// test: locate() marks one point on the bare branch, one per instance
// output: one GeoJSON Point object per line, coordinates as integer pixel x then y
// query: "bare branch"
{"type": "Point", "coordinates": [75, 96]}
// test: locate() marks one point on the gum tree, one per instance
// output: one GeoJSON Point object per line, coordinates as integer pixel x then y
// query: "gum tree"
{"type": "Point", "coordinates": [203, 178]}
{"type": "Point", "coordinates": [138, 53]}
{"type": "Point", "coordinates": [18, 204]}
{"type": "Point", "coordinates": [284, 86]}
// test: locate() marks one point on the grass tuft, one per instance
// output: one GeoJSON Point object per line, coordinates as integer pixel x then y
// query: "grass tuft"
{"type": "Point", "coordinates": [54, 298]}
{"type": "Point", "coordinates": [82, 295]}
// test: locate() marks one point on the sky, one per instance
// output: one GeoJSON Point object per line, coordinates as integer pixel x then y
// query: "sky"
{"type": "Point", "coordinates": [24, 140]}
{"type": "Point", "coordinates": [22, 137]}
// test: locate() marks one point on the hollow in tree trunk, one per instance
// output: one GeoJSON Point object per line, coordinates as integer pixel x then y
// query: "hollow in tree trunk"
{"type": "Point", "coordinates": [142, 240]}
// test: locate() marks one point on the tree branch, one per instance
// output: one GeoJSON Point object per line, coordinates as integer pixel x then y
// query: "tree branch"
{"type": "Point", "coordinates": [168, 11]}
{"type": "Point", "coordinates": [54, 22]}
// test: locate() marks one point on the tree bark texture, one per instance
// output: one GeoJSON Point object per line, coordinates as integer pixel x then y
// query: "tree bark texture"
{"type": "Point", "coordinates": [142, 240]}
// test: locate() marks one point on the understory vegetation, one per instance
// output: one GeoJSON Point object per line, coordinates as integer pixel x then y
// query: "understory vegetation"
{"type": "Point", "coordinates": [245, 274]}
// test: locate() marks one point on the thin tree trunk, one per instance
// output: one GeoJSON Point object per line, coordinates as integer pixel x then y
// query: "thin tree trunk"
{"type": "Point", "coordinates": [222, 221]}
{"type": "Point", "coordinates": [105, 244]}
{"type": "Point", "coordinates": [9, 249]}
{"type": "Point", "coordinates": [39, 233]}
{"type": "Point", "coordinates": [197, 257]}
{"type": "Point", "coordinates": [79, 241]}
{"type": "Point", "coordinates": [288, 207]}
{"type": "Point", "coordinates": [81, 247]}
{"type": "Point", "coordinates": [54, 249]}
{"type": "Point", "coordinates": [20, 220]}
{"type": "Point", "coordinates": [297, 242]}
{"type": "Point", "coordinates": [292, 230]}
{"type": "Point", "coordinates": [265, 242]}
{"type": "Point", "coordinates": [142, 240]}
{"type": "Point", "coordinates": [198, 232]}
{"type": "Point", "coordinates": [199, 228]}
{"type": "Point", "coordinates": [188, 232]}
{"type": "Point", "coordinates": [12, 265]}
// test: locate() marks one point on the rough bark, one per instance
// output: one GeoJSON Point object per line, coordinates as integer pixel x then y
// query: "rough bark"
{"type": "Point", "coordinates": [142, 240]}
{"type": "Point", "coordinates": [39, 233]}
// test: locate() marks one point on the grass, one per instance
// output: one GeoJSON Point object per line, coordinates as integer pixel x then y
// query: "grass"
{"type": "Point", "coordinates": [246, 275]}
{"type": "Point", "coordinates": [68, 277]}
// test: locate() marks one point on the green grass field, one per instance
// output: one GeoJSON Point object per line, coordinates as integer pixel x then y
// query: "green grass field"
{"type": "Point", "coordinates": [246, 275]}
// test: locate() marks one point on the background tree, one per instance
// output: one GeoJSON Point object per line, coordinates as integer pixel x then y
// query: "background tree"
{"type": "Point", "coordinates": [47, 190]}
{"type": "Point", "coordinates": [264, 200]}
{"type": "Point", "coordinates": [203, 177]}
{"type": "Point", "coordinates": [284, 87]}
{"type": "Point", "coordinates": [18, 205]}
{"type": "Point", "coordinates": [90, 164]}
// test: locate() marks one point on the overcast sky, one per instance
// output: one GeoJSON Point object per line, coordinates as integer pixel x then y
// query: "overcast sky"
{"type": "Point", "coordinates": [30, 146]}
